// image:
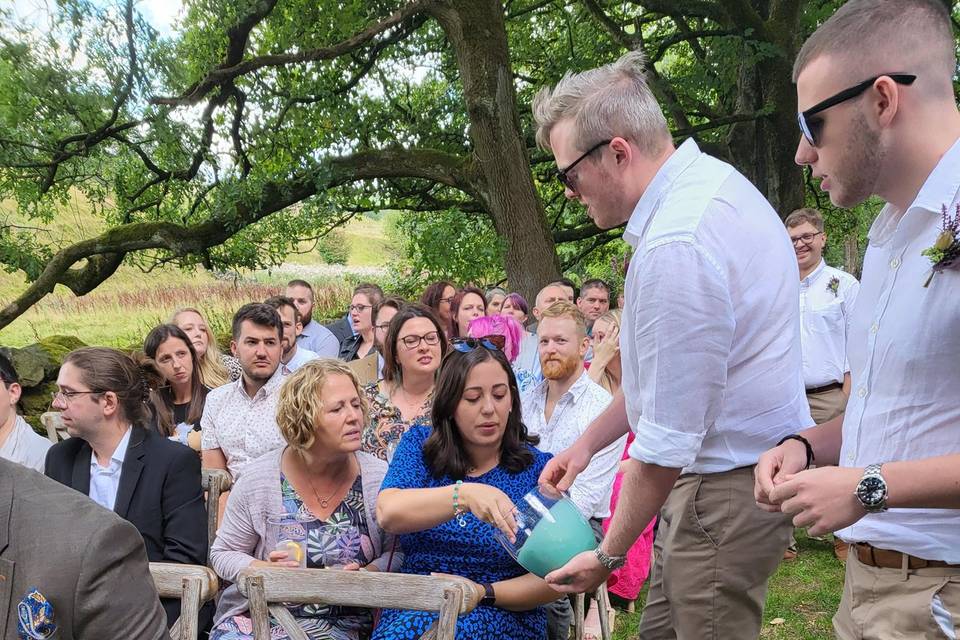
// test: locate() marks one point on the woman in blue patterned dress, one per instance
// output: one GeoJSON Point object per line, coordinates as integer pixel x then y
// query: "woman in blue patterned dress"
{"type": "Point", "coordinates": [323, 481]}
{"type": "Point", "coordinates": [480, 450]}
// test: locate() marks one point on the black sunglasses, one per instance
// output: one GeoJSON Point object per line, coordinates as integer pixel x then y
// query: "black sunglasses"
{"type": "Point", "coordinates": [492, 343]}
{"type": "Point", "coordinates": [562, 173]}
{"type": "Point", "coordinates": [811, 128]}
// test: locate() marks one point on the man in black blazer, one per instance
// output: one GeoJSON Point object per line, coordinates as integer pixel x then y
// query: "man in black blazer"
{"type": "Point", "coordinates": [150, 481]}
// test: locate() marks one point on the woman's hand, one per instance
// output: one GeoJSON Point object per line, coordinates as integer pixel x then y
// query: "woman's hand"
{"type": "Point", "coordinates": [478, 590]}
{"type": "Point", "coordinates": [276, 559]}
{"type": "Point", "coordinates": [607, 349]}
{"type": "Point", "coordinates": [490, 505]}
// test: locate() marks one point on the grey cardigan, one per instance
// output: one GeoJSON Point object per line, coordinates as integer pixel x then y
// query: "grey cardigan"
{"type": "Point", "coordinates": [240, 538]}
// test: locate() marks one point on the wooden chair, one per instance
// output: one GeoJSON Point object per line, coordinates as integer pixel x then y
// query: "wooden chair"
{"type": "Point", "coordinates": [267, 587]}
{"type": "Point", "coordinates": [194, 585]}
{"type": "Point", "coordinates": [605, 610]}
{"type": "Point", "coordinates": [56, 431]}
{"type": "Point", "coordinates": [215, 482]}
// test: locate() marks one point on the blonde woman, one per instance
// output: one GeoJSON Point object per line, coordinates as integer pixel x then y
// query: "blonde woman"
{"type": "Point", "coordinates": [605, 367]}
{"type": "Point", "coordinates": [324, 480]}
{"type": "Point", "coordinates": [216, 369]}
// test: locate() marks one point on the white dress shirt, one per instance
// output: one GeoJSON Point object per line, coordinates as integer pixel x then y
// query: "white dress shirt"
{"type": "Point", "coordinates": [572, 414]}
{"type": "Point", "coordinates": [826, 299]}
{"type": "Point", "coordinates": [301, 357]}
{"type": "Point", "coordinates": [24, 446]}
{"type": "Point", "coordinates": [244, 428]}
{"type": "Point", "coordinates": [105, 481]}
{"type": "Point", "coordinates": [710, 337]}
{"type": "Point", "coordinates": [317, 338]}
{"type": "Point", "coordinates": [904, 352]}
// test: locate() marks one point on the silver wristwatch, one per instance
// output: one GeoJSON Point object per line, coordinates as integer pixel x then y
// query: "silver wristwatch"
{"type": "Point", "coordinates": [610, 562]}
{"type": "Point", "coordinates": [872, 490]}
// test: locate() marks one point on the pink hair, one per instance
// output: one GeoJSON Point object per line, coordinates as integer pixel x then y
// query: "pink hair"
{"type": "Point", "coordinates": [505, 326]}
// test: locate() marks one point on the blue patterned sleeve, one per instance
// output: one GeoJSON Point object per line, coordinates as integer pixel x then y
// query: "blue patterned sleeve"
{"type": "Point", "coordinates": [408, 470]}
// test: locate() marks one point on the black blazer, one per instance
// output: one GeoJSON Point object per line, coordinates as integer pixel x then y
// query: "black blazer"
{"type": "Point", "coordinates": [159, 493]}
{"type": "Point", "coordinates": [341, 328]}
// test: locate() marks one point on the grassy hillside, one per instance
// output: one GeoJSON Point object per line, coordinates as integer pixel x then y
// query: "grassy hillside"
{"type": "Point", "coordinates": [121, 310]}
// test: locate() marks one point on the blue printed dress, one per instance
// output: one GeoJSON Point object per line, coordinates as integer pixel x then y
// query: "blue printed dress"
{"type": "Point", "coordinates": [342, 538]}
{"type": "Point", "coordinates": [470, 551]}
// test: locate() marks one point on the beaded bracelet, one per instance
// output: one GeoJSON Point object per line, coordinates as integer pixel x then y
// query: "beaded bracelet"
{"type": "Point", "coordinates": [458, 511]}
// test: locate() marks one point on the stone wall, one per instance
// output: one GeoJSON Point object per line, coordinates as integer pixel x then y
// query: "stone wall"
{"type": "Point", "coordinates": [37, 366]}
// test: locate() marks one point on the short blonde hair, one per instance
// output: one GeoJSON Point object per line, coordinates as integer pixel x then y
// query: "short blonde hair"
{"type": "Point", "coordinates": [564, 309]}
{"type": "Point", "coordinates": [806, 214]}
{"type": "Point", "coordinates": [606, 102]}
{"type": "Point", "coordinates": [300, 402]}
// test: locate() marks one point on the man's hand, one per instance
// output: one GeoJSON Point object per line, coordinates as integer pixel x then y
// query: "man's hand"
{"type": "Point", "coordinates": [772, 469]}
{"type": "Point", "coordinates": [564, 467]}
{"type": "Point", "coordinates": [821, 499]}
{"type": "Point", "coordinates": [583, 573]}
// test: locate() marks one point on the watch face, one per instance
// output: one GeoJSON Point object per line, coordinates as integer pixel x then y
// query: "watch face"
{"type": "Point", "coordinates": [872, 491]}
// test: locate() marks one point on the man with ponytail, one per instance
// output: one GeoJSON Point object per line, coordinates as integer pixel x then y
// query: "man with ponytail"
{"type": "Point", "coordinates": [148, 480]}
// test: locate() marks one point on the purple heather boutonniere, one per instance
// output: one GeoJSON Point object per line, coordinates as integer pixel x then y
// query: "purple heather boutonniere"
{"type": "Point", "coordinates": [834, 286]}
{"type": "Point", "coordinates": [945, 252]}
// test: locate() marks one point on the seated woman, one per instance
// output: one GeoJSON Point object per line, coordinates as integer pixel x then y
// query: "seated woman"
{"type": "Point", "coordinates": [216, 369]}
{"type": "Point", "coordinates": [178, 404]}
{"type": "Point", "coordinates": [467, 305]}
{"type": "Point", "coordinates": [515, 306]}
{"type": "Point", "coordinates": [495, 297]}
{"type": "Point", "coordinates": [412, 351]}
{"type": "Point", "coordinates": [360, 344]}
{"type": "Point", "coordinates": [323, 480]}
{"type": "Point", "coordinates": [449, 485]}
{"type": "Point", "coordinates": [438, 297]}
{"type": "Point", "coordinates": [505, 333]}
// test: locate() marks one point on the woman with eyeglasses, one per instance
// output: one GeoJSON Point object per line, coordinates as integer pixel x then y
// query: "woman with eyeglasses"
{"type": "Point", "coordinates": [361, 343]}
{"type": "Point", "coordinates": [438, 297]}
{"type": "Point", "coordinates": [451, 487]}
{"type": "Point", "coordinates": [412, 350]}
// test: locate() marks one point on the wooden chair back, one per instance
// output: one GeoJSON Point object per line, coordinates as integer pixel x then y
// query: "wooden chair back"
{"type": "Point", "coordinates": [56, 431]}
{"type": "Point", "coordinates": [267, 587]}
{"type": "Point", "coordinates": [215, 482]}
{"type": "Point", "coordinates": [193, 584]}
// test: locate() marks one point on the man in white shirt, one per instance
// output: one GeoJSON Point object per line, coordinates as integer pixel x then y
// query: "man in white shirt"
{"type": "Point", "coordinates": [710, 351]}
{"type": "Point", "coordinates": [879, 117]}
{"type": "Point", "coordinates": [293, 355]}
{"type": "Point", "coordinates": [559, 410]}
{"type": "Point", "coordinates": [239, 419]}
{"type": "Point", "coordinates": [826, 300]}
{"type": "Point", "coordinates": [313, 335]}
{"type": "Point", "coordinates": [18, 441]}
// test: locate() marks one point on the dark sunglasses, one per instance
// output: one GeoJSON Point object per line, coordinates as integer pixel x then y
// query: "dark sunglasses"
{"type": "Point", "coordinates": [491, 343]}
{"type": "Point", "coordinates": [811, 128]}
{"type": "Point", "coordinates": [562, 173]}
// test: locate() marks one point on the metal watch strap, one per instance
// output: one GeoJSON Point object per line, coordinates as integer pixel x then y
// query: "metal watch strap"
{"type": "Point", "coordinates": [873, 471]}
{"type": "Point", "coordinates": [610, 562]}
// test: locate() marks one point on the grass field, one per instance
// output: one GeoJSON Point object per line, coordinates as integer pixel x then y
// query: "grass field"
{"type": "Point", "coordinates": [802, 598]}
{"type": "Point", "coordinates": [124, 308]}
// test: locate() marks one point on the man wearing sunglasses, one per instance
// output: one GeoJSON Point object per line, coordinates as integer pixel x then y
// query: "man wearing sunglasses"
{"type": "Point", "coordinates": [710, 353]}
{"type": "Point", "coordinates": [878, 76]}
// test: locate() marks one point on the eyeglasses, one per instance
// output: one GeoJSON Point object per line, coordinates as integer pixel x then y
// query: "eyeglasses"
{"type": "Point", "coordinates": [69, 395]}
{"type": "Point", "coordinates": [492, 342]}
{"type": "Point", "coordinates": [805, 238]}
{"type": "Point", "coordinates": [359, 308]}
{"type": "Point", "coordinates": [412, 342]}
{"type": "Point", "coordinates": [811, 128]}
{"type": "Point", "coordinates": [382, 327]}
{"type": "Point", "coordinates": [562, 174]}
{"type": "Point", "coordinates": [448, 300]}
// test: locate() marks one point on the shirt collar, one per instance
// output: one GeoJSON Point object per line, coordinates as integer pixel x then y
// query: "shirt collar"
{"type": "Point", "coordinates": [119, 454]}
{"type": "Point", "coordinates": [269, 387]}
{"type": "Point", "coordinates": [941, 186]}
{"type": "Point", "coordinates": [815, 274]}
{"type": "Point", "coordinates": [308, 329]}
{"type": "Point", "coordinates": [575, 391]}
{"type": "Point", "coordinates": [676, 164]}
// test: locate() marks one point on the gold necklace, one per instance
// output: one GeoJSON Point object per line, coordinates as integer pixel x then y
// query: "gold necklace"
{"type": "Point", "coordinates": [323, 501]}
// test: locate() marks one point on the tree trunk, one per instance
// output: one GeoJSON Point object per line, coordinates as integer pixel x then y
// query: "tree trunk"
{"type": "Point", "coordinates": [477, 31]}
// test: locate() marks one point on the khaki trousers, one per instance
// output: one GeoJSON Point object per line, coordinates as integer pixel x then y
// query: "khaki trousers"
{"type": "Point", "coordinates": [879, 604]}
{"type": "Point", "coordinates": [826, 405]}
{"type": "Point", "coordinates": [713, 554]}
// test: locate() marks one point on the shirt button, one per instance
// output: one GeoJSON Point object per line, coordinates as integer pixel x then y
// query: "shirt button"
{"type": "Point", "coordinates": [895, 263]}
{"type": "Point", "coordinates": [851, 458]}
{"type": "Point", "coordinates": [862, 393]}
{"type": "Point", "coordinates": [874, 328]}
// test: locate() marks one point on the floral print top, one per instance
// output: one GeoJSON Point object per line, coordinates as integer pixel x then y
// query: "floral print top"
{"type": "Point", "coordinates": [386, 426]}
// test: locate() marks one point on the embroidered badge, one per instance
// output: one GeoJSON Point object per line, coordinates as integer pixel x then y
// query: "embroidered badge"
{"type": "Point", "coordinates": [35, 617]}
{"type": "Point", "coordinates": [945, 252]}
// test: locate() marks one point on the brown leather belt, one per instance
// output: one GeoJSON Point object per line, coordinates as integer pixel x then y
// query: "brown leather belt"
{"type": "Point", "coordinates": [886, 559]}
{"type": "Point", "coordinates": [826, 387]}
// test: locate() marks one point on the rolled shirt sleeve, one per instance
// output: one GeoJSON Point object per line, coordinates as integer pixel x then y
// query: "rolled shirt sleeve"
{"type": "Point", "coordinates": [683, 328]}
